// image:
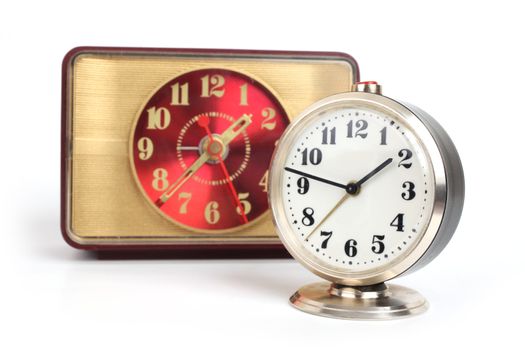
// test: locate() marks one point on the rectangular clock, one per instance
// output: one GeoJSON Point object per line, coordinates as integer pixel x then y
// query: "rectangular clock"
{"type": "Point", "coordinates": [168, 149]}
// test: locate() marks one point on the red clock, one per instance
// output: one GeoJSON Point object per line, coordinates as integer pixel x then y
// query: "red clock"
{"type": "Point", "coordinates": [201, 146]}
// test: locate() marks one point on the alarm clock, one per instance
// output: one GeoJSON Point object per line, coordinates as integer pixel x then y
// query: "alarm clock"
{"type": "Point", "coordinates": [169, 149]}
{"type": "Point", "coordinates": [363, 189]}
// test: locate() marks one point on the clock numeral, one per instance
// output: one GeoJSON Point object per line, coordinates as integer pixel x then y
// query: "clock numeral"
{"type": "Point", "coordinates": [264, 182]}
{"type": "Point", "coordinates": [145, 147]}
{"type": "Point", "coordinates": [158, 118]}
{"type": "Point", "coordinates": [328, 136]}
{"type": "Point", "coordinates": [308, 218]}
{"type": "Point", "coordinates": [314, 156]}
{"type": "Point", "coordinates": [377, 245]}
{"type": "Point", "coordinates": [351, 248]}
{"type": "Point", "coordinates": [185, 197]}
{"type": "Point", "coordinates": [211, 213]}
{"type": "Point", "coordinates": [405, 155]}
{"type": "Point", "coordinates": [244, 95]}
{"type": "Point", "coordinates": [179, 94]}
{"type": "Point", "coordinates": [303, 184]}
{"type": "Point", "coordinates": [409, 194]}
{"type": "Point", "coordinates": [160, 181]}
{"type": "Point", "coordinates": [268, 122]}
{"type": "Point", "coordinates": [211, 86]}
{"type": "Point", "coordinates": [328, 235]}
{"type": "Point", "coordinates": [246, 206]}
{"type": "Point", "coordinates": [360, 125]}
{"type": "Point", "coordinates": [398, 222]}
{"type": "Point", "coordinates": [383, 136]}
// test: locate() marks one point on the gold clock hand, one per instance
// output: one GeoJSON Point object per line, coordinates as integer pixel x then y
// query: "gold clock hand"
{"type": "Point", "coordinates": [226, 137]}
{"type": "Point", "coordinates": [341, 201]}
{"type": "Point", "coordinates": [235, 129]}
{"type": "Point", "coordinates": [186, 175]}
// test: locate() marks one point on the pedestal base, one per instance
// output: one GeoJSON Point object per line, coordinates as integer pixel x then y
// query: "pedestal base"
{"type": "Point", "coordinates": [377, 302]}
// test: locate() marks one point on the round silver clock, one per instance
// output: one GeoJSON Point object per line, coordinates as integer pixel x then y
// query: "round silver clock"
{"type": "Point", "coordinates": [363, 189]}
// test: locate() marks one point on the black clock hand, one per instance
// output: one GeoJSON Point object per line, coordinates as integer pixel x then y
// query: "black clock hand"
{"type": "Point", "coordinates": [317, 178]}
{"type": "Point", "coordinates": [350, 188]}
{"type": "Point", "coordinates": [373, 172]}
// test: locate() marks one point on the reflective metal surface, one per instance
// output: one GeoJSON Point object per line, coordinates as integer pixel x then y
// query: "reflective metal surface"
{"type": "Point", "coordinates": [377, 302]}
{"type": "Point", "coordinates": [448, 182]}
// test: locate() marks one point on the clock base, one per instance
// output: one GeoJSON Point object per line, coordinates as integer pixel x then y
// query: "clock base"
{"type": "Point", "coordinates": [377, 302]}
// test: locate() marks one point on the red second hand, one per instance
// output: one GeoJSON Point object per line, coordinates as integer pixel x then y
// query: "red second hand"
{"type": "Point", "coordinates": [232, 188]}
{"type": "Point", "coordinates": [204, 122]}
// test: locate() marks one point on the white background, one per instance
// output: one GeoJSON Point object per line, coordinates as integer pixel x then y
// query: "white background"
{"type": "Point", "coordinates": [460, 61]}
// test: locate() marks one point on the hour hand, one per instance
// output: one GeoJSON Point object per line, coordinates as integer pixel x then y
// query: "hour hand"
{"type": "Point", "coordinates": [373, 172]}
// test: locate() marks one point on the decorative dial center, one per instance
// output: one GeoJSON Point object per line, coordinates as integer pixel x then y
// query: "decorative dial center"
{"type": "Point", "coordinates": [215, 147]}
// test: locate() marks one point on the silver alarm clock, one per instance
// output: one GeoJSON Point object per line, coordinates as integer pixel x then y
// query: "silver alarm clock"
{"type": "Point", "coordinates": [363, 189]}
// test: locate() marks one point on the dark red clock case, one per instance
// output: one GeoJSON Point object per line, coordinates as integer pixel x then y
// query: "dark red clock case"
{"type": "Point", "coordinates": [168, 251]}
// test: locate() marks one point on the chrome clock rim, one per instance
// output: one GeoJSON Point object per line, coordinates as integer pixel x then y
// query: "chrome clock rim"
{"type": "Point", "coordinates": [447, 177]}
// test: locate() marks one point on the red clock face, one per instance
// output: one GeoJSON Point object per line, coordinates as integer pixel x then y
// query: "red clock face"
{"type": "Point", "coordinates": [202, 145]}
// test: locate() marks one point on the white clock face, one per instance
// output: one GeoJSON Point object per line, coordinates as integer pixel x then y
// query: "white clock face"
{"type": "Point", "coordinates": [358, 189]}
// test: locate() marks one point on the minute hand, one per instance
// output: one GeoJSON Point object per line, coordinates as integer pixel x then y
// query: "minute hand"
{"type": "Point", "coordinates": [313, 177]}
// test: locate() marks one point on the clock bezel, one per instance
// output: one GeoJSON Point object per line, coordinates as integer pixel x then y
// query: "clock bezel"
{"type": "Point", "coordinates": [442, 159]}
